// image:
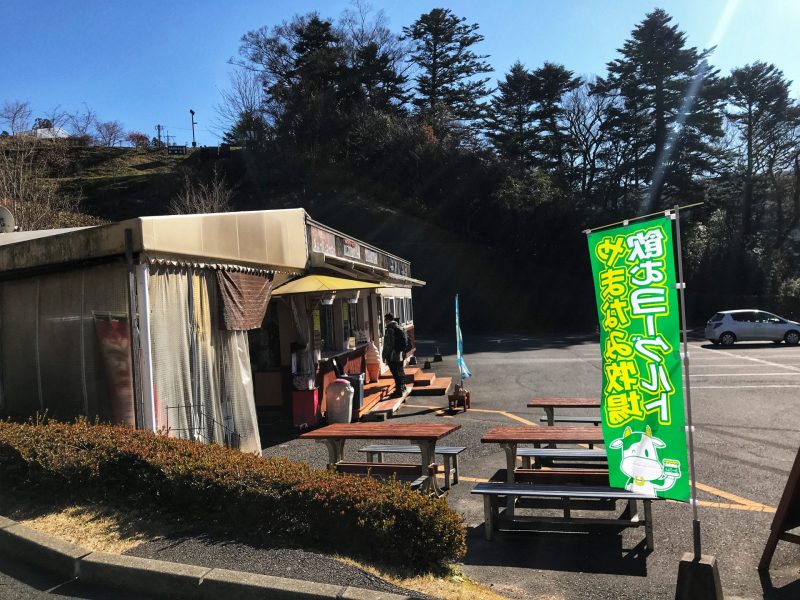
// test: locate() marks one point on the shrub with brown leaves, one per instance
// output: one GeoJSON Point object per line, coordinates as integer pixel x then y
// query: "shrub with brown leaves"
{"type": "Point", "coordinates": [234, 493]}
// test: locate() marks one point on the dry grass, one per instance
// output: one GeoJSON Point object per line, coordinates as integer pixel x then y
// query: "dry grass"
{"type": "Point", "coordinates": [453, 585]}
{"type": "Point", "coordinates": [87, 527]}
{"type": "Point", "coordinates": [94, 526]}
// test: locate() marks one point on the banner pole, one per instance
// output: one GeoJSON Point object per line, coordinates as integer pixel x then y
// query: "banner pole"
{"type": "Point", "coordinates": [690, 428]}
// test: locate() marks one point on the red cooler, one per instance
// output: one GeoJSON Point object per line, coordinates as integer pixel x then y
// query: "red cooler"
{"type": "Point", "coordinates": [305, 408]}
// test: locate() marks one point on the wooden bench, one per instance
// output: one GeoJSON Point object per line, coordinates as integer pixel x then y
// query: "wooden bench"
{"type": "Point", "coordinates": [402, 472]}
{"type": "Point", "coordinates": [449, 454]}
{"type": "Point", "coordinates": [577, 419]}
{"type": "Point", "coordinates": [550, 404]}
{"type": "Point", "coordinates": [539, 455]}
{"type": "Point", "coordinates": [498, 495]}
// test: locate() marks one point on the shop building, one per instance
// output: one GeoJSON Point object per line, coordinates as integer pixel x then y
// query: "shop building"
{"type": "Point", "coordinates": [188, 324]}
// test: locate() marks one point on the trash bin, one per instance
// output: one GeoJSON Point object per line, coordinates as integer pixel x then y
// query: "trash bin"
{"type": "Point", "coordinates": [339, 401]}
{"type": "Point", "coordinates": [305, 408]}
{"type": "Point", "coordinates": [357, 381]}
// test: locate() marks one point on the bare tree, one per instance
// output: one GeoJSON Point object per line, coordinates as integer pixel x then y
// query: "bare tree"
{"type": "Point", "coordinates": [31, 173]}
{"type": "Point", "coordinates": [82, 122]}
{"type": "Point", "coordinates": [17, 115]}
{"type": "Point", "coordinates": [56, 116]}
{"type": "Point", "coordinates": [244, 96]}
{"type": "Point", "coordinates": [109, 133]}
{"type": "Point", "coordinates": [202, 197]}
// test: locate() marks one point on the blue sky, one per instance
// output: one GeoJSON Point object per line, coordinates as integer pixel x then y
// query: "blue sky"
{"type": "Point", "coordinates": [149, 62]}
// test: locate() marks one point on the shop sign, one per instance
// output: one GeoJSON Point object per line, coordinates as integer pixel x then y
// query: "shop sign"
{"type": "Point", "coordinates": [370, 256]}
{"type": "Point", "coordinates": [398, 267]}
{"type": "Point", "coordinates": [351, 249]}
{"type": "Point", "coordinates": [323, 241]}
{"type": "Point", "coordinates": [642, 398]}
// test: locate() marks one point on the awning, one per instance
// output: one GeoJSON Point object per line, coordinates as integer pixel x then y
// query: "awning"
{"type": "Point", "coordinates": [321, 283]}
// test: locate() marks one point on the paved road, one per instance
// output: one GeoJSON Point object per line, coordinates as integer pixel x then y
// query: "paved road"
{"type": "Point", "coordinates": [748, 432]}
{"type": "Point", "coordinates": [20, 581]}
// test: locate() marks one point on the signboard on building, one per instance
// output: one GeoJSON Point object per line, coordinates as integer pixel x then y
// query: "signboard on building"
{"type": "Point", "coordinates": [323, 241]}
{"type": "Point", "coordinates": [370, 256]}
{"type": "Point", "coordinates": [351, 249]}
{"type": "Point", "coordinates": [642, 398]}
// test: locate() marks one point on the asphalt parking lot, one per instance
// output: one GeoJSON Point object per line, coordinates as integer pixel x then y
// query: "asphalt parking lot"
{"type": "Point", "coordinates": [747, 435]}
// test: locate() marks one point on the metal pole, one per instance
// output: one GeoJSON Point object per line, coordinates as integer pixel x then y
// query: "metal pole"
{"type": "Point", "coordinates": [688, 387]}
{"type": "Point", "coordinates": [194, 144]}
{"type": "Point", "coordinates": [132, 320]}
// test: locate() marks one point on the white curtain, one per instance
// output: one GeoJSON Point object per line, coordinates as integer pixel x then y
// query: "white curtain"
{"type": "Point", "coordinates": [201, 372]}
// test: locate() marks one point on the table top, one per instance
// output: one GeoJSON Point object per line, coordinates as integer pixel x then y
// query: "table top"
{"type": "Point", "coordinates": [564, 402]}
{"type": "Point", "coordinates": [544, 435]}
{"type": "Point", "coordinates": [382, 431]}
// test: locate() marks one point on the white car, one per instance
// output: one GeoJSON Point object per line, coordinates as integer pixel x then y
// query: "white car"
{"type": "Point", "coordinates": [730, 326]}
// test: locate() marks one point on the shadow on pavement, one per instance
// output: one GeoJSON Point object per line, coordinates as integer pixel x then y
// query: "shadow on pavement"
{"type": "Point", "coordinates": [790, 591]}
{"type": "Point", "coordinates": [576, 552]}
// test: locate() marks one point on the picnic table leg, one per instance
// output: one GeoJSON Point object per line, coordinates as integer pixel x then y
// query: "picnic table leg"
{"type": "Point", "coordinates": [446, 472]}
{"type": "Point", "coordinates": [648, 525]}
{"type": "Point", "coordinates": [551, 415]}
{"type": "Point", "coordinates": [511, 464]}
{"type": "Point", "coordinates": [488, 517]}
{"type": "Point", "coordinates": [335, 451]}
{"type": "Point", "coordinates": [428, 451]}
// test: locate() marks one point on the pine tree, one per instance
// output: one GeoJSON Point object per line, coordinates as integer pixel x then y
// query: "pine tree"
{"type": "Point", "coordinates": [511, 122]}
{"type": "Point", "coordinates": [550, 84]}
{"type": "Point", "coordinates": [759, 96]}
{"type": "Point", "coordinates": [669, 123]}
{"type": "Point", "coordinates": [448, 86]}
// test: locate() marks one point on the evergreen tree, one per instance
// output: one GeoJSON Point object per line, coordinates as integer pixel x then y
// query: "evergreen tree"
{"type": "Point", "coordinates": [448, 85]}
{"type": "Point", "coordinates": [668, 108]}
{"type": "Point", "coordinates": [550, 85]}
{"type": "Point", "coordinates": [759, 97]}
{"type": "Point", "coordinates": [511, 121]}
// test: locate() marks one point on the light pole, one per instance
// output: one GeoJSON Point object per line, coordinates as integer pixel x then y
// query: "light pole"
{"type": "Point", "coordinates": [194, 144]}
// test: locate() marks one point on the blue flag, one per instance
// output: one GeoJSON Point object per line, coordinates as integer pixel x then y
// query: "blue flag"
{"type": "Point", "coordinates": [462, 366]}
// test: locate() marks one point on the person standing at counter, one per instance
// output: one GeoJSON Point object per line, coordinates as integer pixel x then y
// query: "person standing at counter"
{"type": "Point", "coordinates": [394, 344]}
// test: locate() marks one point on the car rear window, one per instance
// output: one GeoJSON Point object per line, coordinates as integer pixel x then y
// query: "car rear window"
{"type": "Point", "coordinates": [717, 318]}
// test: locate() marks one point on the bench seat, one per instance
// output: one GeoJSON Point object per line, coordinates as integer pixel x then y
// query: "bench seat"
{"type": "Point", "coordinates": [539, 455]}
{"type": "Point", "coordinates": [498, 494]}
{"type": "Point", "coordinates": [576, 419]}
{"type": "Point", "coordinates": [450, 454]}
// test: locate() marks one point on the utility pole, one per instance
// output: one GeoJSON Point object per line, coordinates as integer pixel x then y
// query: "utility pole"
{"type": "Point", "coordinates": [191, 112]}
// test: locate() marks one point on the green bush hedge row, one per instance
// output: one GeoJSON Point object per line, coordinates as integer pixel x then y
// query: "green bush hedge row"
{"type": "Point", "coordinates": [234, 493]}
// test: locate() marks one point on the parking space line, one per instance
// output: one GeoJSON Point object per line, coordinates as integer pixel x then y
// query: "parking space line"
{"type": "Point", "coordinates": [752, 359]}
{"type": "Point", "coordinates": [742, 387]}
{"type": "Point", "coordinates": [728, 495]}
{"type": "Point", "coordinates": [745, 374]}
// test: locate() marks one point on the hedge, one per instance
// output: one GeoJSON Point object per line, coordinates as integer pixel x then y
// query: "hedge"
{"type": "Point", "coordinates": [233, 493]}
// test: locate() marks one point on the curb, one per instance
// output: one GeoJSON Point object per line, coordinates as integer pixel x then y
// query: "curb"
{"type": "Point", "coordinates": [158, 578]}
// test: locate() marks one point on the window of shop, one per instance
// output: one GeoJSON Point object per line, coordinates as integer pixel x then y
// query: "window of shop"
{"type": "Point", "coordinates": [326, 327]}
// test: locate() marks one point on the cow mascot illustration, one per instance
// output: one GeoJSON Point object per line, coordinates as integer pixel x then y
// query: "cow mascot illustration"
{"type": "Point", "coordinates": [640, 462]}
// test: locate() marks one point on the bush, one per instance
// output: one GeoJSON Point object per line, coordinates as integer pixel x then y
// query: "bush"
{"type": "Point", "coordinates": [233, 493]}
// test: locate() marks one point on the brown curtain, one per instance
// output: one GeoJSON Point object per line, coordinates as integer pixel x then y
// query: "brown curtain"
{"type": "Point", "coordinates": [243, 299]}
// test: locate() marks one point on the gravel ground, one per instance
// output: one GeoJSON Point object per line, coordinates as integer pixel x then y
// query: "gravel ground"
{"type": "Point", "coordinates": [279, 562]}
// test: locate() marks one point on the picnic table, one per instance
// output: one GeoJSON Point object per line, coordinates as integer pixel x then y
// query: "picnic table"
{"type": "Point", "coordinates": [510, 437]}
{"type": "Point", "coordinates": [423, 435]}
{"type": "Point", "coordinates": [550, 404]}
{"type": "Point", "coordinates": [570, 489]}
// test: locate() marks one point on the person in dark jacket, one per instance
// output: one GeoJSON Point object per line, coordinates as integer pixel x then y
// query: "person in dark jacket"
{"type": "Point", "coordinates": [392, 340]}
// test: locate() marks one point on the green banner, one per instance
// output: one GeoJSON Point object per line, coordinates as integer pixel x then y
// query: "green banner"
{"type": "Point", "coordinates": [642, 401]}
